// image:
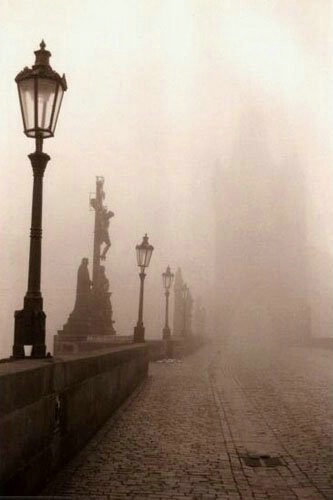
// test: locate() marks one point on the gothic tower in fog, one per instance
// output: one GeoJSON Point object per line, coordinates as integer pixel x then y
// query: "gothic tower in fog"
{"type": "Point", "coordinates": [261, 273]}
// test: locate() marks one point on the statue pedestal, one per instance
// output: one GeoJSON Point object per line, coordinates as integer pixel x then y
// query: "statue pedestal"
{"type": "Point", "coordinates": [77, 326]}
{"type": "Point", "coordinates": [101, 314]}
{"type": "Point", "coordinates": [85, 323]}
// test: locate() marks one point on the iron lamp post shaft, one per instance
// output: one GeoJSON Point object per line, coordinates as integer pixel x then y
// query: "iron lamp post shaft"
{"type": "Point", "coordinates": [166, 329]}
{"type": "Point", "coordinates": [39, 161]}
{"type": "Point", "coordinates": [30, 321]}
{"type": "Point", "coordinates": [139, 330]}
{"type": "Point", "coordinates": [142, 280]}
{"type": "Point", "coordinates": [167, 293]}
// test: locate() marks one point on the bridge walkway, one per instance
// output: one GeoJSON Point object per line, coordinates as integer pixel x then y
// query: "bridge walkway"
{"type": "Point", "coordinates": [240, 421]}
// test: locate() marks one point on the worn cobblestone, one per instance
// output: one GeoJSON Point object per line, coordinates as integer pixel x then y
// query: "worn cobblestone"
{"type": "Point", "coordinates": [184, 434]}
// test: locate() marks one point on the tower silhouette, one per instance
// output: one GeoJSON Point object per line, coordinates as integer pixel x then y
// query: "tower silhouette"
{"type": "Point", "coordinates": [260, 238]}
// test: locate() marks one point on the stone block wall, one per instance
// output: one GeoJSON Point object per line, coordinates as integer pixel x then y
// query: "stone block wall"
{"type": "Point", "coordinates": [50, 408]}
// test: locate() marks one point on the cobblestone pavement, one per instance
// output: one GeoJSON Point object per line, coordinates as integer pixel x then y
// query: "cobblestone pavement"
{"type": "Point", "coordinates": [213, 426]}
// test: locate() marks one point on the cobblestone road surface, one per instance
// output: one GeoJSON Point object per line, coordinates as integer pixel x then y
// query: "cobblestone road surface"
{"type": "Point", "coordinates": [213, 426]}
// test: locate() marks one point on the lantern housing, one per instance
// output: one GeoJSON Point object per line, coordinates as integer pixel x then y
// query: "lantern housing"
{"type": "Point", "coordinates": [40, 90]}
{"type": "Point", "coordinates": [167, 278]}
{"type": "Point", "coordinates": [144, 252]}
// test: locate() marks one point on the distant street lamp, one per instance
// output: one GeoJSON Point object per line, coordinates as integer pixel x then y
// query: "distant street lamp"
{"type": "Point", "coordinates": [185, 291]}
{"type": "Point", "coordinates": [143, 256]}
{"type": "Point", "coordinates": [40, 92]}
{"type": "Point", "coordinates": [167, 283]}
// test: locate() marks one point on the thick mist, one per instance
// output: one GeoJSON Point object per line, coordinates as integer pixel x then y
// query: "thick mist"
{"type": "Point", "coordinates": [212, 125]}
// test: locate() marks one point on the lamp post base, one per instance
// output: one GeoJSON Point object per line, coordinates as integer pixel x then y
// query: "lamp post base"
{"type": "Point", "coordinates": [29, 330]}
{"type": "Point", "coordinates": [166, 333]}
{"type": "Point", "coordinates": [139, 333]}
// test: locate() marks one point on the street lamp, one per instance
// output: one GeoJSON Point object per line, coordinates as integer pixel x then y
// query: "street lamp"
{"type": "Point", "coordinates": [167, 283]}
{"type": "Point", "coordinates": [143, 256]}
{"type": "Point", "coordinates": [40, 91]}
{"type": "Point", "coordinates": [185, 291]}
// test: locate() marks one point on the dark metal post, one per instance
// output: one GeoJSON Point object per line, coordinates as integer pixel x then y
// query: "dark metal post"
{"type": "Point", "coordinates": [139, 330]}
{"type": "Point", "coordinates": [166, 329]}
{"type": "Point", "coordinates": [30, 321]}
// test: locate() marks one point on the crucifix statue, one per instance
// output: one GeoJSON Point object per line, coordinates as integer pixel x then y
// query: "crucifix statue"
{"type": "Point", "coordinates": [102, 223]}
{"type": "Point", "coordinates": [102, 308]}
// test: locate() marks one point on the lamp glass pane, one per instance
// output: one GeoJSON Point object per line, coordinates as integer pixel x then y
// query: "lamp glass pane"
{"type": "Point", "coordinates": [46, 94]}
{"type": "Point", "coordinates": [148, 254]}
{"type": "Point", "coordinates": [167, 280]}
{"type": "Point", "coordinates": [140, 256]}
{"type": "Point", "coordinates": [54, 117]}
{"type": "Point", "coordinates": [26, 92]}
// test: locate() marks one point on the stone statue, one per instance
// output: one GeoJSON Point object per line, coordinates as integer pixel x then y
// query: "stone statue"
{"type": "Point", "coordinates": [102, 304]}
{"type": "Point", "coordinates": [79, 321]}
{"type": "Point", "coordinates": [105, 216]}
{"type": "Point", "coordinates": [101, 296]}
{"type": "Point", "coordinates": [83, 288]}
{"type": "Point", "coordinates": [103, 282]}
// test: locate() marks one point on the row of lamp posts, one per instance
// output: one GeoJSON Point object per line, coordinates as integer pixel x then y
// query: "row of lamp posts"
{"type": "Point", "coordinates": [41, 90]}
{"type": "Point", "coordinates": [144, 253]}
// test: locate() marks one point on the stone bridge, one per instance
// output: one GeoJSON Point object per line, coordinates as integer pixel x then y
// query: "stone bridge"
{"type": "Point", "coordinates": [230, 420]}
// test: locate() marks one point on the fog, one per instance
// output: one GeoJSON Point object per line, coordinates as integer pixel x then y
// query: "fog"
{"type": "Point", "coordinates": [211, 122]}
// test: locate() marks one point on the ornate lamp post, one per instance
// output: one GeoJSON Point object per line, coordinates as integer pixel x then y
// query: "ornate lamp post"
{"type": "Point", "coordinates": [143, 256]}
{"type": "Point", "coordinates": [40, 91]}
{"type": "Point", "coordinates": [185, 291]}
{"type": "Point", "coordinates": [167, 283]}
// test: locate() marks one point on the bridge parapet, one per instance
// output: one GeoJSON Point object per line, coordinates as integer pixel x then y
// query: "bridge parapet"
{"type": "Point", "coordinates": [50, 408]}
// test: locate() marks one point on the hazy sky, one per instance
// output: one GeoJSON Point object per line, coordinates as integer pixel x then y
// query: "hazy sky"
{"type": "Point", "coordinates": [156, 94]}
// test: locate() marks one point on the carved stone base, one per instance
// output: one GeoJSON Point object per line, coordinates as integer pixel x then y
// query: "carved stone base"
{"type": "Point", "coordinates": [77, 326]}
{"type": "Point", "coordinates": [29, 331]}
{"type": "Point", "coordinates": [101, 317]}
{"type": "Point", "coordinates": [139, 334]}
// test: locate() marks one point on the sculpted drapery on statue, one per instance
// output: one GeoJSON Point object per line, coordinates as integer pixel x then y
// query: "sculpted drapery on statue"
{"type": "Point", "coordinates": [79, 323]}
{"type": "Point", "coordinates": [103, 307]}
{"type": "Point", "coordinates": [83, 288]}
